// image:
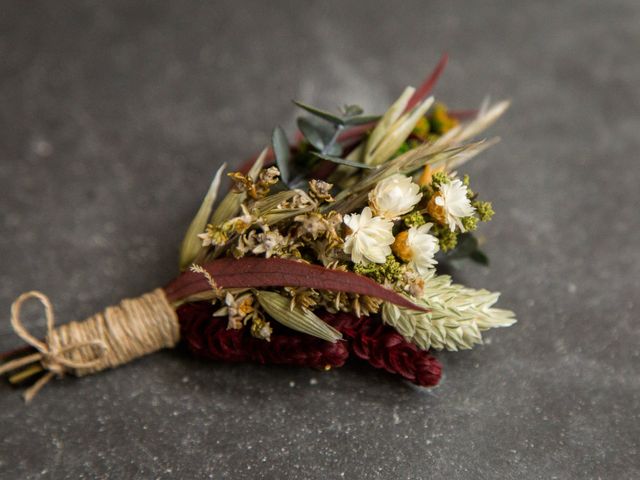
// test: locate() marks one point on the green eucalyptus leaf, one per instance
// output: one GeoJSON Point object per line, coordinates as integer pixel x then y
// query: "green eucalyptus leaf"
{"type": "Point", "coordinates": [334, 150]}
{"type": "Point", "coordinates": [317, 134]}
{"type": "Point", "coordinates": [329, 117]}
{"type": "Point", "coordinates": [467, 247]}
{"type": "Point", "coordinates": [353, 110]}
{"type": "Point", "coordinates": [343, 161]}
{"type": "Point", "coordinates": [467, 244]}
{"type": "Point", "coordinates": [282, 152]}
{"type": "Point", "coordinates": [361, 120]}
{"type": "Point", "coordinates": [480, 257]}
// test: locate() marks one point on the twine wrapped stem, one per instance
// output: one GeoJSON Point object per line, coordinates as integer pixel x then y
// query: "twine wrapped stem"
{"type": "Point", "coordinates": [119, 334]}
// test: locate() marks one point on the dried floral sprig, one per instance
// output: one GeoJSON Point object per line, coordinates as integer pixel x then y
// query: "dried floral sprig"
{"type": "Point", "coordinates": [457, 316]}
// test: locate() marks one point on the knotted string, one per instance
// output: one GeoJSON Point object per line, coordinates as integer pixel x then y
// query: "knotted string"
{"type": "Point", "coordinates": [121, 333]}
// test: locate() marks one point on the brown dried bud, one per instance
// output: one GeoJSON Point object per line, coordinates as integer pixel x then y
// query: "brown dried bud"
{"type": "Point", "coordinates": [320, 191]}
{"type": "Point", "coordinates": [242, 183]}
{"type": "Point", "coordinates": [401, 247]}
{"type": "Point", "coordinates": [436, 211]}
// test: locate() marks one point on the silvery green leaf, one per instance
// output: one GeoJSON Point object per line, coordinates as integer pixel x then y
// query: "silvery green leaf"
{"type": "Point", "coordinates": [281, 150]}
{"type": "Point", "coordinates": [191, 244]}
{"type": "Point", "coordinates": [329, 117]}
{"type": "Point", "coordinates": [352, 110]}
{"type": "Point", "coordinates": [361, 120]}
{"type": "Point", "coordinates": [335, 150]}
{"type": "Point", "coordinates": [297, 318]}
{"type": "Point", "coordinates": [480, 257]}
{"type": "Point", "coordinates": [344, 161]}
{"type": "Point", "coordinates": [317, 134]}
{"type": "Point", "coordinates": [467, 244]}
{"type": "Point", "coordinates": [467, 247]}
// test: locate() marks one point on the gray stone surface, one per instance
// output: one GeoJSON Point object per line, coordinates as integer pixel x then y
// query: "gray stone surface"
{"type": "Point", "coordinates": [115, 115]}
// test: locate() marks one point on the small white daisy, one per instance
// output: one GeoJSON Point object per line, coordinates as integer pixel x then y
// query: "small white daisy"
{"type": "Point", "coordinates": [394, 196]}
{"type": "Point", "coordinates": [370, 238]}
{"type": "Point", "coordinates": [417, 247]}
{"type": "Point", "coordinates": [453, 199]}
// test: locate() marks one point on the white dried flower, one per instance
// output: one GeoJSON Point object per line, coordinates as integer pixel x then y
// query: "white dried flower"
{"type": "Point", "coordinates": [246, 243]}
{"type": "Point", "coordinates": [320, 190]}
{"type": "Point", "coordinates": [299, 201]}
{"type": "Point", "coordinates": [270, 243]}
{"type": "Point", "coordinates": [236, 309]}
{"type": "Point", "coordinates": [261, 329]}
{"type": "Point", "coordinates": [453, 199]}
{"type": "Point", "coordinates": [412, 283]}
{"type": "Point", "coordinates": [313, 224]}
{"type": "Point", "coordinates": [269, 176]}
{"type": "Point", "coordinates": [206, 239]}
{"type": "Point", "coordinates": [213, 236]}
{"type": "Point", "coordinates": [241, 223]}
{"type": "Point", "coordinates": [417, 247]}
{"type": "Point", "coordinates": [394, 196]}
{"type": "Point", "coordinates": [370, 238]}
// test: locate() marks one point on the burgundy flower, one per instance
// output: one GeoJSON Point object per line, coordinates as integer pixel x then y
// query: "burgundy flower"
{"type": "Point", "coordinates": [207, 336]}
{"type": "Point", "coordinates": [383, 347]}
{"type": "Point", "coordinates": [367, 338]}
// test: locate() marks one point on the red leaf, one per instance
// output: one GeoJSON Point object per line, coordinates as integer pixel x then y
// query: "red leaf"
{"type": "Point", "coordinates": [355, 133]}
{"type": "Point", "coordinates": [428, 84]}
{"type": "Point", "coordinates": [462, 114]}
{"type": "Point", "coordinates": [253, 272]}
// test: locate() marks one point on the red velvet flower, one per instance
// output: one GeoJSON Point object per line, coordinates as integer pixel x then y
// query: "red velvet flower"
{"type": "Point", "coordinates": [367, 338]}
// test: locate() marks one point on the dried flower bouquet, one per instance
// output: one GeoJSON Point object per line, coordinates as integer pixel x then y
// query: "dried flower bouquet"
{"type": "Point", "coordinates": [323, 247]}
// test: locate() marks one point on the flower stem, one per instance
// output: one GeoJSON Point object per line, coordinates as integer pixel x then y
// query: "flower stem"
{"type": "Point", "coordinates": [25, 374]}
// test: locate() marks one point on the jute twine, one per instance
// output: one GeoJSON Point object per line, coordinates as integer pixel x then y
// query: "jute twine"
{"type": "Point", "coordinates": [119, 334]}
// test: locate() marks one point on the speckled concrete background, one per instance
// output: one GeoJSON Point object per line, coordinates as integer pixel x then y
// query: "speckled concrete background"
{"type": "Point", "coordinates": [113, 117]}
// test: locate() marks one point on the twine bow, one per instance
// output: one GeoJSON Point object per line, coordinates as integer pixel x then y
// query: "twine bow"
{"type": "Point", "coordinates": [51, 355]}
